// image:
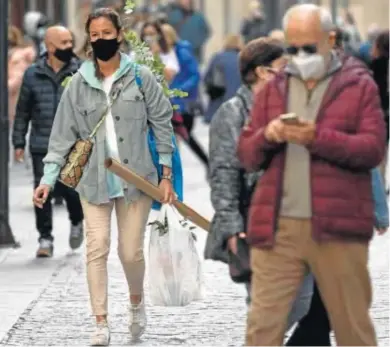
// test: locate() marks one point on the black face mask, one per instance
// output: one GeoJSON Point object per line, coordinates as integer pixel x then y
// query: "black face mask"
{"type": "Point", "coordinates": [64, 55]}
{"type": "Point", "coordinates": [105, 49]}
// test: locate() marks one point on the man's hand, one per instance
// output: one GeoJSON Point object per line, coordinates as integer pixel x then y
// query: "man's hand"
{"type": "Point", "coordinates": [19, 155]}
{"type": "Point", "coordinates": [232, 242]}
{"type": "Point", "coordinates": [302, 134]}
{"type": "Point", "coordinates": [274, 132]}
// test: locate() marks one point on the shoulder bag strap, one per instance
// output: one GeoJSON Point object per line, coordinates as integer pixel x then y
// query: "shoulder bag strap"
{"type": "Point", "coordinates": [105, 113]}
{"type": "Point", "coordinates": [247, 109]}
{"type": "Point", "coordinates": [138, 79]}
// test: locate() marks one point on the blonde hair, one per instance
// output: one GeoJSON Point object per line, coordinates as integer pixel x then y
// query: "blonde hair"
{"type": "Point", "coordinates": [170, 34]}
{"type": "Point", "coordinates": [254, 5]}
{"type": "Point", "coordinates": [15, 36]}
{"type": "Point", "coordinates": [233, 41]}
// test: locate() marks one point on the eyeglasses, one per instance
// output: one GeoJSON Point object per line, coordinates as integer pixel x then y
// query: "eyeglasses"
{"type": "Point", "coordinates": [309, 49]}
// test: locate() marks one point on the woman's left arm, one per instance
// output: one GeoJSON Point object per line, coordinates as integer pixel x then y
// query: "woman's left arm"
{"type": "Point", "coordinates": [159, 113]}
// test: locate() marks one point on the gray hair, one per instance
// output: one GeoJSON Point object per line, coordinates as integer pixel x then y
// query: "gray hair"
{"type": "Point", "coordinates": [325, 16]}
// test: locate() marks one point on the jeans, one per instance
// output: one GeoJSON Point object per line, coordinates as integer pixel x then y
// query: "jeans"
{"type": "Point", "coordinates": [44, 216]}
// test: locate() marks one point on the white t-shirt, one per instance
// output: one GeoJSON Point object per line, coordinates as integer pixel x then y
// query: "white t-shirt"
{"type": "Point", "coordinates": [170, 61]}
{"type": "Point", "coordinates": [111, 142]}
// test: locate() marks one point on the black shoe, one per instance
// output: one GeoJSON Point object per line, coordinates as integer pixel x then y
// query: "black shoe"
{"type": "Point", "coordinates": [45, 249]}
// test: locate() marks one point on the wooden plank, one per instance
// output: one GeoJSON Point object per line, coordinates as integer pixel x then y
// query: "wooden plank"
{"type": "Point", "coordinates": [154, 192]}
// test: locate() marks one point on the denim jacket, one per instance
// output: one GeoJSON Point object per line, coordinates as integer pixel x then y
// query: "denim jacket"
{"type": "Point", "coordinates": [80, 109]}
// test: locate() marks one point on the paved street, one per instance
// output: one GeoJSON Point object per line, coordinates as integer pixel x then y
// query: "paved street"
{"type": "Point", "coordinates": [45, 302]}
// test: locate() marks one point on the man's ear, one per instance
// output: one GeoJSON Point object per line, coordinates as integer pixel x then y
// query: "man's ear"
{"type": "Point", "coordinates": [332, 39]}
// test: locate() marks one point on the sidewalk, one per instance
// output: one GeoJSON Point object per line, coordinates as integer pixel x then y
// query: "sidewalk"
{"type": "Point", "coordinates": [22, 276]}
{"type": "Point", "coordinates": [46, 302]}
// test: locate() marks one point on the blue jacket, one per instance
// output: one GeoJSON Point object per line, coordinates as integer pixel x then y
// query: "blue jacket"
{"type": "Point", "coordinates": [177, 171]}
{"type": "Point", "coordinates": [228, 61]}
{"type": "Point", "coordinates": [380, 200]}
{"type": "Point", "coordinates": [365, 52]}
{"type": "Point", "coordinates": [187, 80]}
{"type": "Point", "coordinates": [191, 27]}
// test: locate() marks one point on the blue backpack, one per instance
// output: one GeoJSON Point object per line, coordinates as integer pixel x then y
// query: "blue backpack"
{"type": "Point", "coordinates": [177, 170]}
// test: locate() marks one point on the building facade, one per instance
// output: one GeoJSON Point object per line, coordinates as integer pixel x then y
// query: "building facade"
{"type": "Point", "coordinates": [233, 11]}
{"type": "Point", "coordinates": [55, 10]}
{"type": "Point", "coordinates": [224, 16]}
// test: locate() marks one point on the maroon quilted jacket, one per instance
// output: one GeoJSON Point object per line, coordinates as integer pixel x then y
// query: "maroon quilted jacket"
{"type": "Point", "coordinates": [350, 140]}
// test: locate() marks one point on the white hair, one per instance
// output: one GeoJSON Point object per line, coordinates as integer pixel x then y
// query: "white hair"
{"type": "Point", "coordinates": [325, 16]}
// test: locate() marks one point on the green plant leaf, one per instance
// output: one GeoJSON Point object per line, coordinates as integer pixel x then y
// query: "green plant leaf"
{"type": "Point", "coordinates": [66, 81]}
{"type": "Point", "coordinates": [144, 56]}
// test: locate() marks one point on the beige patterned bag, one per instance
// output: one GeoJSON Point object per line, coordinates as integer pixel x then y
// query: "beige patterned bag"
{"type": "Point", "coordinates": [78, 157]}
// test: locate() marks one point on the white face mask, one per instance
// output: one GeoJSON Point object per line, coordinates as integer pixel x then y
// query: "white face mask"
{"type": "Point", "coordinates": [310, 66]}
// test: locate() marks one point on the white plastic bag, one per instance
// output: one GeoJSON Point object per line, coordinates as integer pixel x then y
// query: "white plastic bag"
{"type": "Point", "coordinates": [174, 263]}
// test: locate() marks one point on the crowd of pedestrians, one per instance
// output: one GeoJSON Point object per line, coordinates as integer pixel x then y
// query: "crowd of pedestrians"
{"type": "Point", "coordinates": [299, 120]}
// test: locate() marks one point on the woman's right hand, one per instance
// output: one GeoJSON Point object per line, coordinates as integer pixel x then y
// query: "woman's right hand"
{"type": "Point", "coordinates": [41, 194]}
{"type": "Point", "coordinates": [232, 242]}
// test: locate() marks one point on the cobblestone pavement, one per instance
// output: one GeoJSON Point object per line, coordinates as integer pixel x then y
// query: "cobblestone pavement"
{"type": "Point", "coordinates": [58, 312]}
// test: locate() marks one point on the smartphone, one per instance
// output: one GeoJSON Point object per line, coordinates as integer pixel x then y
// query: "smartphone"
{"type": "Point", "coordinates": [290, 118]}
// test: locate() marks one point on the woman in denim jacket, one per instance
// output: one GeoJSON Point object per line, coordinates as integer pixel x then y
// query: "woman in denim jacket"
{"type": "Point", "coordinates": [110, 79]}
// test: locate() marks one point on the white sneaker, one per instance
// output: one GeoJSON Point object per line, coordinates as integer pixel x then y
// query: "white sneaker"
{"type": "Point", "coordinates": [137, 321]}
{"type": "Point", "coordinates": [101, 335]}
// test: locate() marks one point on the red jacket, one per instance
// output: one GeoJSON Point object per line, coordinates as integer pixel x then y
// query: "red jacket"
{"type": "Point", "coordinates": [350, 140]}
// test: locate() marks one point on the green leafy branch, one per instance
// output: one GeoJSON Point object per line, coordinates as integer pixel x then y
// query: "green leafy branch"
{"type": "Point", "coordinates": [163, 228]}
{"type": "Point", "coordinates": [144, 56]}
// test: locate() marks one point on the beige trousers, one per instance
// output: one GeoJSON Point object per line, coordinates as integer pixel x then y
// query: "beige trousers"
{"type": "Point", "coordinates": [132, 219]}
{"type": "Point", "coordinates": [340, 269]}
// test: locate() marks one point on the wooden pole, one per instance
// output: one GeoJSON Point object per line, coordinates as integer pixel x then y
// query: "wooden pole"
{"type": "Point", "coordinates": [154, 192]}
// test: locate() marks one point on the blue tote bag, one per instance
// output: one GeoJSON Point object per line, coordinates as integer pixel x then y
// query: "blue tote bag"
{"type": "Point", "coordinates": [177, 170]}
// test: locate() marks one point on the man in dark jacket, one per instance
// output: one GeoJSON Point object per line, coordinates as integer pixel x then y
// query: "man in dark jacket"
{"type": "Point", "coordinates": [39, 96]}
{"type": "Point", "coordinates": [191, 25]}
{"type": "Point", "coordinates": [313, 207]}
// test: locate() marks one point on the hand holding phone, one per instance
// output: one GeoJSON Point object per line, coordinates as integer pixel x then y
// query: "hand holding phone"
{"type": "Point", "coordinates": [290, 119]}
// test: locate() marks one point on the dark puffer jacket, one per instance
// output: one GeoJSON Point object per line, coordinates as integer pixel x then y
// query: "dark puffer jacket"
{"type": "Point", "coordinates": [39, 96]}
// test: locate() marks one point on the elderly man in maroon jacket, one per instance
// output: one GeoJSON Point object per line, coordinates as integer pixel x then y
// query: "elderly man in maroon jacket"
{"type": "Point", "coordinates": [312, 208]}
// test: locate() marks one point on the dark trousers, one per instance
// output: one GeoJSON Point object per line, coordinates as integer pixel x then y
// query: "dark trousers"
{"type": "Point", "coordinates": [313, 329]}
{"type": "Point", "coordinates": [188, 121]}
{"type": "Point", "coordinates": [44, 216]}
